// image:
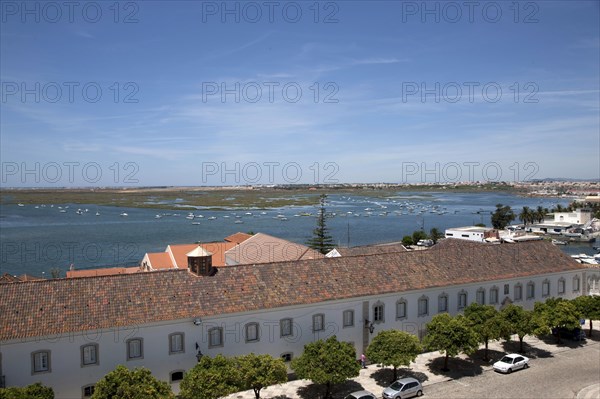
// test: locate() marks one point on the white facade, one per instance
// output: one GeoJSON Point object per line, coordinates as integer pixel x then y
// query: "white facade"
{"type": "Point", "coordinates": [400, 310]}
{"type": "Point", "coordinates": [578, 217]}
{"type": "Point", "coordinates": [470, 233]}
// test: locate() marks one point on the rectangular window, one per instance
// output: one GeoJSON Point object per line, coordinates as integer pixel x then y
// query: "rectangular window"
{"type": "Point", "coordinates": [443, 303]}
{"type": "Point", "coordinates": [462, 300]}
{"type": "Point", "coordinates": [545, 288]}
{"type": "Point", "coordinates": [285, 326]}
{"type": "Point", "coordinates": [575, 283]}
{"type": "Point", "coordinates": [378, 313]}
{"type": "Point", "coordinates": [530, 291]}
{"type": "Point", "coordinates": [348, 318]}
{"type": "Point", "coordinates": [318, 322]}
{"type": "Point", "coordinates": [88, 391]}
{"type": "Point", "coordinates": [215, 337]}
{"type": "Point", "coordinates": [561, 286]}
{"type": "Point", "coordinates": [89, 354]}
{"type": "Point", "coordinates": [506, 289]}
{"type": "Point", "coordinates": [401, 310]}
{"type": "Point", "coordinates": [135, 349]}
{"type": "Point", "coordinates": [251, 332]}
{"type": "Point", "coordinates": [518, 293]}
{"type": "Point", "coordinates": [423, 306]}
{"type": "Point", "coordinates": [481, 297]}
{"type": "Point", "coordinates": [493, 296]}
{"type": "Point", "coordinates": [176, 343]}
{"type": "Point", "coordinates": [41, 361]}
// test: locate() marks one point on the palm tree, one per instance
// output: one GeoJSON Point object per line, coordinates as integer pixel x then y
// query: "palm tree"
{"type": "Point", "coordinates": [525, 215]}
{"type": "Point", "coordinates": [540, 214]}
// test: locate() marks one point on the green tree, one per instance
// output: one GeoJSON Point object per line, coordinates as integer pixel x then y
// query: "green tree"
{"type": "Point", "coordinates": [540, 214]}
{"type": "Point", "coordinates": [211, 378]}
{"type": "Point", "coordinates": [502, 216]}
{"type": "Point", "coordinates": [33, 391]}
{"type": "Point", "coordinates": [557, 313]}
{"type": "Point", "coordinates": [122, 383]}
{"type": "Point", "coordinates": [435, 234]}
{"type": "Point", "coordinates": [327, 362]}
{"type": "Point", "coordinates": [321, 240]}
{"type": "Point", "coordinates": [407, 241]}
{"type": "Point", "coordinates": [487, 323]}
{"type": "Point", "coordinates": [394, 348]}
{"type": "Point", "coordinates": [526, 215]}
{"type": "Point", "coordinates": [450, 335]}
{"type": "Point", "coordinates": [259, 371]}
{"type": "Point", "coordinates": [589, 307]}
{"type": "Point", "coordinates": [522, 322]}
{"type": "Point", "coordinates": [418, 235]}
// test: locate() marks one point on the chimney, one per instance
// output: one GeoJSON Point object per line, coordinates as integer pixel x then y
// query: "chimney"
{"type": "Point", "coordinates": [200, 262]}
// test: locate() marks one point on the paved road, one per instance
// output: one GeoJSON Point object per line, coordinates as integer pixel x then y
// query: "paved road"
{"type": "Point", "coordinates": [561, 375]}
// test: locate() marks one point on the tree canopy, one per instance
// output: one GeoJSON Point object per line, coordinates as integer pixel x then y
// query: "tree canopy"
{"type": "Point", "coordinates": [122, 383]}
{"type": "Point", "coordinates": [321, 240]}
{"type": "Point", "coordinates": [521, 322]}
{"type": "Point", "coordinates": [450, 335]}
{"type": "Point", "coordinates": [557, 313]}
{"type": "Point", "coordinates": [589, 307]}
{"type": "Point", "coordinates": [260, 371]}
{"type": "Point", "coordinates": [211, 378]}
{"type": "Point", "coordinates": [487, 323]}
{"type": "Point", "coordinates": [394, 348]}
{"type": "Point", "coordinates": [502, 216]}
{"type": "Point", "coordinates": [33, 391]}
{"type": "Point", "coordinates": [327, 362]}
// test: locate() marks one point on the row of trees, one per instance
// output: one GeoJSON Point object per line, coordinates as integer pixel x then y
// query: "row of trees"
{"type": "Point", "coordinates": [434, 235]}
{"type": "Point", "coordinates": [530, 216]}
{"type": "Point", "coordinates": [329, 362]}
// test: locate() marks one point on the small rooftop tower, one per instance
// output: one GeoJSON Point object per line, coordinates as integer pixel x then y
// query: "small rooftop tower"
{"type": "Point", "coordinates": [200, 262]}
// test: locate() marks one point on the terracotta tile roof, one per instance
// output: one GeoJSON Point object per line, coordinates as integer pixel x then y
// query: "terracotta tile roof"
{"type": "Point", "coordinates": [372, 249]}
{"type": "Point", "coordinates": [218, 250]}
{"type": "Point", "coordinates": [263, 248]}
{"type": "Point", "coordinates": [124, 300]}
{"type": "Point", "coordinates": [160, 260]}
{"type": "Point", "coordinates": [238, 237]}
{"type": "Point", "coordinates": [8, 278]}
{"type": "Point", "coordinates": [179, 254]}
{"type": "Point", "coordinates": [108, 271]}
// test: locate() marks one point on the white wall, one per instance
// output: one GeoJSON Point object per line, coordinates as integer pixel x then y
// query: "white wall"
{"type": "Point", "coordinates": [67, 377]}
{"type": "Point", "coordinates": [465, 235]}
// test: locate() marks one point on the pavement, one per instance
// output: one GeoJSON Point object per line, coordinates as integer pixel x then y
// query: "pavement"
{"type": "Point", "coordinates": [427, 369]}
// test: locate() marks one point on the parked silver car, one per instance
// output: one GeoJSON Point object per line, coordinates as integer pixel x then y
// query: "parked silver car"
{"type": "Point", "coordinates": [361, 395]}
{"type": "Point", "coordinates": [403, 388]}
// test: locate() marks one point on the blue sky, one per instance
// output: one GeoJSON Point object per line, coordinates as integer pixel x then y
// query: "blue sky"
{"type": "Point", "coordinates": [387, 73]}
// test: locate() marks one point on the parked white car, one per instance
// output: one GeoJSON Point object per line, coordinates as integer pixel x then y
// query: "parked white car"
{"type": "Point", "coordinates": [511, 362]}
{"type": "Point", "coordinates": [403, 388]}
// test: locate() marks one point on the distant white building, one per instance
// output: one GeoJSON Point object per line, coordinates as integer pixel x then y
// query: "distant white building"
{"type": "Point", "coordinates": [580, 216]}
{"type": "Point", "coordinates": [473, 233]}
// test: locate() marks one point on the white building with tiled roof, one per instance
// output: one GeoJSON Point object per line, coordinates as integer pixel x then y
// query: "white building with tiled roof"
{"type": "Point", "coordinates": [68, 333]}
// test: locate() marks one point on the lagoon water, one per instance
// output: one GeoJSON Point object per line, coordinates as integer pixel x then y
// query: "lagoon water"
{"type": "Point", "coordinates": [35, 240]}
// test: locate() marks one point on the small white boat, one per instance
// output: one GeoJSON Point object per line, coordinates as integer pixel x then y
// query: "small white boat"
{"type": "Point", "coordinates": [196, 223]}
{"type": "Point", "coordinates": [190, 217]}
{"type": "Point", "coordinates": [97, 213]}
{"type": "Point", "coordinates": [239, 222]}
{"type": "Point", "coordinates": [20, 205]}
{"type": "Point", "coordinates": [559, 242]}
{"type": "Point", "coordinates": [212, 218]}
{"type": "Point", "coordinates": [79, 212]}
{"type": "Point", "coordinates": [63, 211]}
{"type": "Point", "coordinates": [123, 214]}
{"type": "Point", "coordinates": [158, 217]}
